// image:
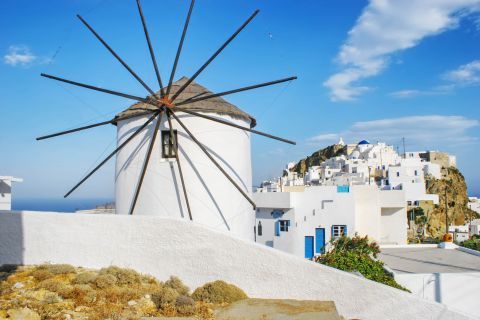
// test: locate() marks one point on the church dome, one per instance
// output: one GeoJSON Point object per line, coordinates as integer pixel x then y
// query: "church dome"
{"type": "Point", "coordinates": [216, 105]}
{"type": "Point", "coordinates": [364, 142]}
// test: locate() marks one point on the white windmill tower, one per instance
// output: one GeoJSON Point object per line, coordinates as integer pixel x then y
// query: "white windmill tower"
{"type": "Point", "coordinates": [182, 152]}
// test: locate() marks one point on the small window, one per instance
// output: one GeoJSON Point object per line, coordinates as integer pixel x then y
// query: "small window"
{"type": "Point", "coordinates": [169, 150]}
{"type": "Point", "coordinates": [259, 228]}
{"type": "Point", "coordinates": [338, 231]}
{"type": "Point", "coordinates": [398, 174]}
{"type": "Point", "coordinates": [284, 224]}
{"type": "Point", "coordinates": [416, 172]}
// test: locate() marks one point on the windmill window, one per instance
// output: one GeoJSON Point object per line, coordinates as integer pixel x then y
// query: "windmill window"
{"type": "Point", "coordinates": [169, 149]}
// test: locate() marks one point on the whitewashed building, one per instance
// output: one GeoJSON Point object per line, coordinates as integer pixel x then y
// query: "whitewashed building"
{"type": "Point", "coordinates": [6, 191]}
{"type": "Point", "coordinates": [474, 204]}
{"type": "Point", "coordinates": [302, 222]}
{"type": "Point", "coordinates": [374, 164]}
{"type": "Point", "coordinates": [214, 201]}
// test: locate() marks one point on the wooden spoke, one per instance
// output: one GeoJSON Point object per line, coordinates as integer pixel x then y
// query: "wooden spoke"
{"type": "Point", "coordinates": [150, 48]}
{"type": "Point", "coordinates": [202, 147]}
{"type": "Point", "coordinates": [265, 84]}
{"type": "Point", "coordinates": [115, 93]}
{"type": "Point", "coordinates": [234, 125]}
{"type": "Point", "coordinates": [214, 55]}
{"type": "Point", "coordinates": [146, 161]}
{"type": "Point", "coordinates": [113, 153]}
{"type": "Point", "coordinates": [175, 146]}
{"type": "Point", "coordinates": [180, 46]}
{"type": "Point", "coordinates": [93, 125]}
{"type": "Point", "coordinates": [116, 55]}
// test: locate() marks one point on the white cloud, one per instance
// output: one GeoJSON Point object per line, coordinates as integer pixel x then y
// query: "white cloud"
{"type": "Point", "coordinates": [325, 137]}
{"type": "Point", "coordinates": [384, 28]}
{"type": "Point", "coordinates": [19, 55]}
{"type": "Point", "coordinates": [432, 131]}
{"type": "Point", "coordinates": [465, 74]}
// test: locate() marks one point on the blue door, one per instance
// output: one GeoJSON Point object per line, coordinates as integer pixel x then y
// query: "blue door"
{"type": "Point", "coordinates": [308, 247]}
{"type": "Point", "coordinates": [319, 239]}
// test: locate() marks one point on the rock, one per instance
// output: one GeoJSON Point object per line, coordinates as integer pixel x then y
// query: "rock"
{"type": "Point", "coordinates": [316, 158]}
{"type": "Point", "coordinates": [18, 285]}
{"type": "Point", "coordinates": [23, 314]}
{"type": "Point", "coordinates": [132, 302]}
{"type": "Point", "coordinates": [457, 197]}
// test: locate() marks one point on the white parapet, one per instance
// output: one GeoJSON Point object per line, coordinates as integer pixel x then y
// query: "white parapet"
{"type": "Point", "coordinates": [164, 246]}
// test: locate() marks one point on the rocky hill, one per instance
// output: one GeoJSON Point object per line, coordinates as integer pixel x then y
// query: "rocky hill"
{"type": "Point", "coordinates": [316, 158]}
{"type": "Point", "coordinates": [457, 198]}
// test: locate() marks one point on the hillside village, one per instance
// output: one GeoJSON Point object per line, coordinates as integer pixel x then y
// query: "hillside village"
{"type": "Point", "coordinates": [365, 188]}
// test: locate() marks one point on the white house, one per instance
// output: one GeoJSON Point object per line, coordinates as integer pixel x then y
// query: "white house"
{"type": "Point", "coordinates": [474, 204]}
{"type": "Point", "coordinates": [6, 191]}
{"type": "Point", "coordinates": [214, 201]}
{"type": "Point", "coordinates": [303, 222]}
{"type": "Point", "coordinates": [374, 164]}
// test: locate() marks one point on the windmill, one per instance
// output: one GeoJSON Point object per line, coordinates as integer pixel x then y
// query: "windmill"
{"type": "Point", "coordinates": [181, 102]}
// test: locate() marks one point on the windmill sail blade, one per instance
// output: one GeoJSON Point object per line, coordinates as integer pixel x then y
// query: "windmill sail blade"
{"type": "Point", "coordinates": [116, 55]}
{"type": "Point", "coordinates": [115, 93]}
{"type": "Point", "coordinates": [175, 144]}
{"type": "Point", "coordinates": [146, 161]}
{"type": "Point", "coordinates": [112, 154]}
{"type": "Point", "coordinates": [202, 147]}
{"type": "Point", "coordinates": [214, 55]}
{"type": "Point", "coordinates": [93, 125]}
{"type": "Point", "coordinates": [180, 46]}
{"type": "Point", "coordinates": [234, 125]}
{"type": "Point", "coordinates": [150, 48]}
{"type": "Point", "coordinates": [260, 85]}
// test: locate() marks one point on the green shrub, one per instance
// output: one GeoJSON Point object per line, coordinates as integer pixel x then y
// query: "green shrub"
{"type": "Point", "coordinates": [41, 274]}
{"type": "Point", "coordinates": [123, 276]}
{"type": "Point", "coordinates": [53, 285]}
{"type": "Point", "coordinates": [185, 305]}
{"type": "Point", "coordinates": [57, 268]}
{"type": "Point", "coordinates": [85, 278]}
{"type": "Point", "coordinates": [355, 255]}
{"type": "Point", "coordinates": [105, 281]}
{"type": "Point", "coordinates": [164, 297]}
{"type": "Point", "coordinates": [176, 284]}
{"type": "Point", "coordinates": [219, 292]}
{"type": "Point", "coordinates": [473, 243]}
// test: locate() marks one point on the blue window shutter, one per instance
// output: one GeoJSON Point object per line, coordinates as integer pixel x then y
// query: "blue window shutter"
{"type": "Point", "coordinates": [345, 232]}
{"type": "Point", "coordinates": [277, 228]}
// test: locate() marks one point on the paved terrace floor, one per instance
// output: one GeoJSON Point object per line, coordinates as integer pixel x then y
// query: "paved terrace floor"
{"type": "Point", "coordinates": [429, 260]}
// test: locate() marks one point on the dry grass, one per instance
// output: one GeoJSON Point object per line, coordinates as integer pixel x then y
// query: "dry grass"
{"type": "Point", "coordinates": [219, 292]}
{"type": "Point", "coordinates": [56, 290]}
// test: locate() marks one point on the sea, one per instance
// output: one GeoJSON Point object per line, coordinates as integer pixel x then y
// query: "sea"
{"type": "Point", "coordinates": [58, 205]}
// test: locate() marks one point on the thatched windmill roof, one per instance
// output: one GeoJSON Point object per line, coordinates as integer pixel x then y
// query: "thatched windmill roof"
{"type": "Point", "coordinates": [215, 105]}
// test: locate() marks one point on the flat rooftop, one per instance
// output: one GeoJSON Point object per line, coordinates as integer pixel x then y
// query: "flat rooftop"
{"type": "Point", "coordinates": [429, 260]}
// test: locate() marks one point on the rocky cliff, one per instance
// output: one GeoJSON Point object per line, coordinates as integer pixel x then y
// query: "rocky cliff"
{"type": "Point", "coordinates": [458, 213]}
{"type": "Point", "coordinates": [316, 158]}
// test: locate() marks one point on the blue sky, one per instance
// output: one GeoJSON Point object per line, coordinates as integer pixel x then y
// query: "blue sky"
{"type": "Point", "coordinates": [378, 69]}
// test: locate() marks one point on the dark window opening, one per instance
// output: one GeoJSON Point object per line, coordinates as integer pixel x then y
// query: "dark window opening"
{"type": "Point", "coordinates": [259, 228]}
{"type": "Point", "coordinates": [169, 148]}
{"type": "Point", "coordinates": [284, 224]}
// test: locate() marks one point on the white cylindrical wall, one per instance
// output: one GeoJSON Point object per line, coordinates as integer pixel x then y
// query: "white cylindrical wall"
{"type": "Point", "coordinates": [214, 200]}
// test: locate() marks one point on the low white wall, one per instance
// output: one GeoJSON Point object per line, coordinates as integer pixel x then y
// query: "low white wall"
{"type": "Point", "coordinates": [460, 291]}
{"type": "Point", "coordinates": [164, 247]}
